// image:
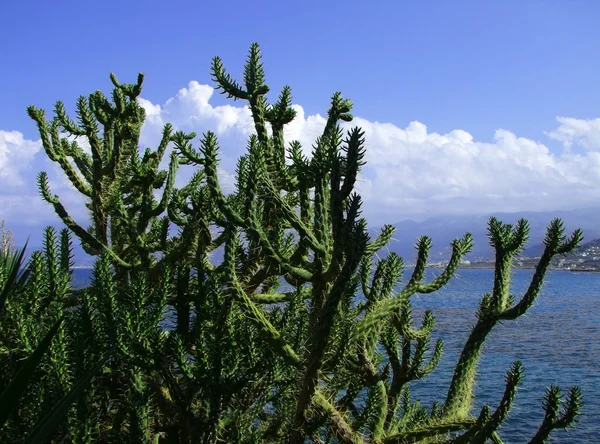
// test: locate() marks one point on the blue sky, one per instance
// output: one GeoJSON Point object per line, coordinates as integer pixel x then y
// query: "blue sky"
{"type": "Point", "coordinates": [475, 67]}
{"type": "Point", "coordinates": [469, 64]}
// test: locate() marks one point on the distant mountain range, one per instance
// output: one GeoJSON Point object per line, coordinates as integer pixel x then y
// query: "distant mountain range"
{"type": "Point", "coordinates": [441, 229]}
{"type": "Point", "coordinates": [537, 250]}
{"type": "Point", "coordinates": [444, 229]}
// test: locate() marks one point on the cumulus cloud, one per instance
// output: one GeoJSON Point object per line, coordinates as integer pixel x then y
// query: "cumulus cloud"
{"type": "Point", "coordinates": [585, 133]}
{"type": "Point", "coordinates": [16, 153]}
{"type": "Point", "coordinates": [21, 160]}
{"type": "Point", "coordinates": [411, 171]}
{"type": "Point", "coordinates": [417, 171]}
{"type": "Point", "coordinates": [19, 203]}
{"type": "Point", "coordinates": [190, 110]}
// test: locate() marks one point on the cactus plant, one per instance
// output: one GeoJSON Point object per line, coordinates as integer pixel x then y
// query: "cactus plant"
{"type": "Point", "coordinates": [299, 332]}
{"type": "Point", "coordinates": [14, 281]}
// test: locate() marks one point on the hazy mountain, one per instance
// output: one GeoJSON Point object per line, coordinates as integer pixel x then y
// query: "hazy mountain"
{"type": "Point", "coordinates": [442, 230]}
{"type": "Point", "coordinates": [537, 250]}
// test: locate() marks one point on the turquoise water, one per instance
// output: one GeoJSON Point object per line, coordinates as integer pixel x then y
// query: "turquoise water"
{"type": "Point", "coordinates": [558, 341]}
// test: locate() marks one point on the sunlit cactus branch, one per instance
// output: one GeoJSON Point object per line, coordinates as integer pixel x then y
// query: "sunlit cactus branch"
{"type": "Point", "coordinates": [508, 241]}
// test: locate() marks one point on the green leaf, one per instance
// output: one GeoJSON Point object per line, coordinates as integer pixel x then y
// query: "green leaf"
{"type": "Point", "coordinates": [12, 263]}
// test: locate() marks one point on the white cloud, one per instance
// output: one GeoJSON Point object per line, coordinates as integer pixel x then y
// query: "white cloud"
{"type": "Point", "coordinates": [585, 133]}
{"type": "Point", "coordinates": [190, 110]}
{"type": "Point", "coordinates": [411, 171]}
{"type": "Point", "coordinates": [21, 160]}
{"type": "Point", "coordinates": [16, 153]}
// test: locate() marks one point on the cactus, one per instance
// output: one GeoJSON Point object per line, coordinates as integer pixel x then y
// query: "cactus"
{"type": "Point", "coordinates": [500, 304]}
{"type": "Point", "coordinates": [15, 281]}
{"type": "Point", "coordinates": [298, 333]}
{"type": "Point", "coordinates": [117, 182]}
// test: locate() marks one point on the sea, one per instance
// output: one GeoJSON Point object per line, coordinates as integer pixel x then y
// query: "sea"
{"type": "Point", "coordinates": [557, 340]}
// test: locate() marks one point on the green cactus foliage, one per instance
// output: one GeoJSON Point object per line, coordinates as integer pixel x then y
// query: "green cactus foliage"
{"type": "Point", "coordinates": [302, 332]}
{"type": "Point", "coordinates": [19, 336]}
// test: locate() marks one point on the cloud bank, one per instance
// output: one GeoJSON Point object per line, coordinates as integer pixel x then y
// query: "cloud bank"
{"type": "Point", "coordinates": [411, 172]}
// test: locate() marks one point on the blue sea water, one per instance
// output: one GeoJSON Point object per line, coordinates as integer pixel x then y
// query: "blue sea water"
{"type": "Point", "coordinates": [558, 342]}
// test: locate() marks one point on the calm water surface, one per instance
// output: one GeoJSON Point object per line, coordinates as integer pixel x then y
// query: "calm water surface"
{"type": "Point", "coordinates": [558, 341]}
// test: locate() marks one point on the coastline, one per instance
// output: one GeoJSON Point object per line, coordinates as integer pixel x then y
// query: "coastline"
{"type": "Point", "coordinates": [490, 266]}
